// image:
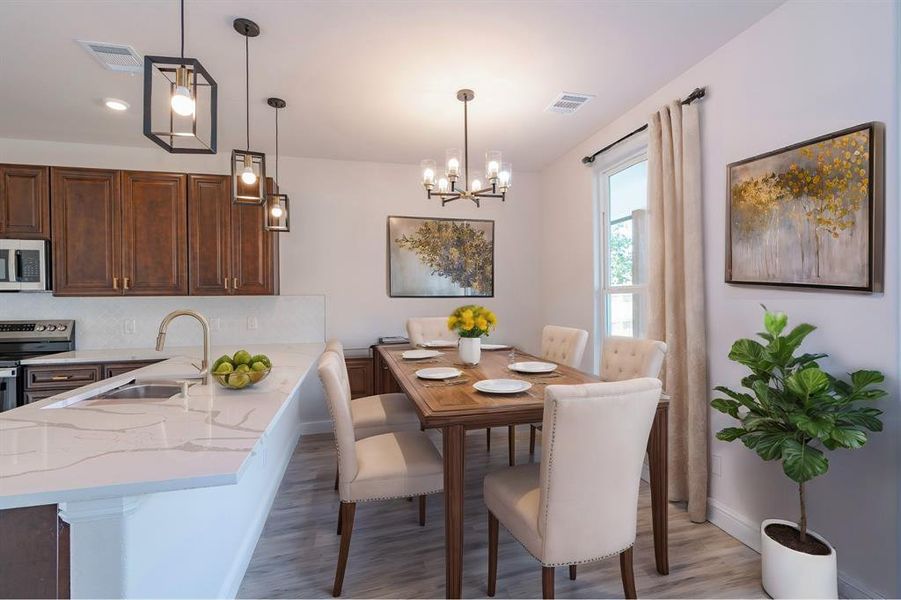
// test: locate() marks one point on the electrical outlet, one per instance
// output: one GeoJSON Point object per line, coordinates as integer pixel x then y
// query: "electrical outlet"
{"type": "Point", "coordinates": [716, 465]}
{"type": "Point", "coordinates": [128, 326]}
{"type": "Point", "coordinates": [216, 324]}
{"type": "Point", "coordinates": [251, 322]}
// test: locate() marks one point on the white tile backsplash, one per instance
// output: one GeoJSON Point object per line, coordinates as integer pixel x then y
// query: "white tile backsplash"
{"type": "Point", "coordinates": [133, 322]}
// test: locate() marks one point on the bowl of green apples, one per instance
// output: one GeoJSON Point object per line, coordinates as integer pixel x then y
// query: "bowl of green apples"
{"type": "Point", "coordinates": [240, 370]}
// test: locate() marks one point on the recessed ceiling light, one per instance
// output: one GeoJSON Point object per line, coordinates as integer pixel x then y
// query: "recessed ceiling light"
{"type": "Point", "coordinates": [115, 104]}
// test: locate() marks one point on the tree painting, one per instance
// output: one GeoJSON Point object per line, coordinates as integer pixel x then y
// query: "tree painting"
{"type": "Point", "coordinates": [441, 257]}
{"type": "Point", "coordinates": [801, 215]}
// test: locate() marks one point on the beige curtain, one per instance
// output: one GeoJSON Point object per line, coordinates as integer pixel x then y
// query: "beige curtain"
{"type": "Point", "coordinates": [676, 294]}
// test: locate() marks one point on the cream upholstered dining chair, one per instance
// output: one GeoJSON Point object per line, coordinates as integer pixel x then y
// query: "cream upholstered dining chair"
{"type": "Point", "coordinates": [562, 345]}
{"type": "Point", "coordinates": [624, 358]}
{"type": "Point", "coordinates": [580, 503]}
{"type": "Point", "coordinates": [373, 415]}
{"type": "Point", "coordinates": [429, 329]}
{"type": "Point", "coordinates": [400, 464]}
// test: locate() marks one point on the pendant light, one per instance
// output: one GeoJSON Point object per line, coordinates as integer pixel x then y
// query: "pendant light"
{"type": "Point", "coordinates": [277, 203]}
{"type": "Point", "coordinates": [183, 89]}
{"type": "Point", "coordinates": [248, 167]}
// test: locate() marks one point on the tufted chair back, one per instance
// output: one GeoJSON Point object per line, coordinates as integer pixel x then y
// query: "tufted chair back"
{"type": "Point", "coordinates": [564, 345]}
{"type": "Point", "coordinates": [595, 441]}
{"type": "Point", "coordinates": [338, 400]}
{"type": "Point", "coordinates": [629, 358]}
{"type": "Point", "coordinates": [429, 329]}
{"type": "Point", "coordinates": [337, 348]}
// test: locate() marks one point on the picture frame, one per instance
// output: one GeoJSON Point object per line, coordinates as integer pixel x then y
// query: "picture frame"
{"type": "Point", "coordinates": [439, 257]}
{"type": "Point", "coordinates": [809, 215]}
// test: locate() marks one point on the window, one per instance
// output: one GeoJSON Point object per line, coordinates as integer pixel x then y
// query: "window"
{"type": "Point", "coordinates": [622, 254]}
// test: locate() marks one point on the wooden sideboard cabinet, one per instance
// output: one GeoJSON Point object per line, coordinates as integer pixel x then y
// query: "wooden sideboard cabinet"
{"type": "Point", "coordinates": [25, 202]}
{"type": "Point", "coordinates": [359, 374]}
{"type": "Point", "coordinates": [383, 382]}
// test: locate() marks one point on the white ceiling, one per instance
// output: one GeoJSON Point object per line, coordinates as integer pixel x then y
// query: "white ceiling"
{"type": "Point", "coordinates": [364, 80]}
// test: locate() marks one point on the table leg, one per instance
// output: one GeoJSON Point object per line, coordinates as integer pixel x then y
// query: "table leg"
{"type": "Point", "coordinates": [454, 449]}
{"type": "Point", "coordinates": [657, 467]}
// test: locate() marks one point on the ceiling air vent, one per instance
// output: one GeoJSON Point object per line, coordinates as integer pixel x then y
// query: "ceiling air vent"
{"type": "Point", "coordinates": [567, 103]}
{"type": "Point", "coordinates": [115, 57]}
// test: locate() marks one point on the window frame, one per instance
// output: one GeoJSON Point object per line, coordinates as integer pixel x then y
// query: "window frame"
{"type": "Point", "coordinates": [628, 154]}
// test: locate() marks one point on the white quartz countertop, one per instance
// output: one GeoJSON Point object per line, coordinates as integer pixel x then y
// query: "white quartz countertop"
{"type": "Point", "coordinates": [111, 355]}
{"type": "Point", "coordinates": [109, 448]}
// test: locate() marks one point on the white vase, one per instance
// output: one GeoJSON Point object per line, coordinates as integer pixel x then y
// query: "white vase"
{"type": "Point", "coordinates": [470, 350]}
{"type": "Point", "coordinates": [787, 573]}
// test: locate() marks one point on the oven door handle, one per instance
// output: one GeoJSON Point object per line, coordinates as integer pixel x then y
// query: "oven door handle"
{"type": "Point", "coordinates": [7, 373]}
{"type": "Point", "coordinates": [18, 265]}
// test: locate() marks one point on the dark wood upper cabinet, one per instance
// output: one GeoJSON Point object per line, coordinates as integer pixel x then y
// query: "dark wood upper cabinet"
{"type": "Point", "coordinates": [24, 202]}
{"type": "Point", "coordinates": [86, 233]}
{"type": "Point", "coordinates": [231, 252]}
{"type": "Point", "coordinates": [209, 234]}
{"type": "Point", "coordinates": [154, 234]}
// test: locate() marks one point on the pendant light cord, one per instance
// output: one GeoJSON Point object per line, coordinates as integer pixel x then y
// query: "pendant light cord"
{"type": "Point", "coordinates": [182, 28]}
{"type": "Point", "coordinates": [247, 85]}
{"type": "Point", "coordinates": [276, 149]}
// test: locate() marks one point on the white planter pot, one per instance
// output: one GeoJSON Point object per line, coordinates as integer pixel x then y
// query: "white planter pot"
{"type": "Point", "coordinates": [787, 573]}
{"type": "Point", "coordinates": [470, 350]}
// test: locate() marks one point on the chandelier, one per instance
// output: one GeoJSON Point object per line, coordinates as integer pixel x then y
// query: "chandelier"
{"type": "Point", "coordinates": [498, 175]}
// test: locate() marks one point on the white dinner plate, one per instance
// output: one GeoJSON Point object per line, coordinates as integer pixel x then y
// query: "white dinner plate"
{"type": "Point", "coordinates": [533, 367]}
{"type": "Point", "coordinates": [420, 354]}
{"type": "Point", "coordinates": [438, 373]}
{"type": "Point", "coordinates": [502, 386]}
{"type": "Point", "coordinates": [495, 346]}
{"type": "Point", "coordinates": [439, 344]}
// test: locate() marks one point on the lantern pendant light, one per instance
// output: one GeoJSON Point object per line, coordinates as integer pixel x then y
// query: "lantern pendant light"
{"type": "Point", "coordinates": [187, 90]}
{"type": "Point", "coordinates": [248, 167]}
{"type": "Point", "coordinates": [277, 203]}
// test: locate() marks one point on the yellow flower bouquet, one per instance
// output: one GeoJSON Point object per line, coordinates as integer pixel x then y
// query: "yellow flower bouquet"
{"type": "Point", "coordinates": [472, 321]}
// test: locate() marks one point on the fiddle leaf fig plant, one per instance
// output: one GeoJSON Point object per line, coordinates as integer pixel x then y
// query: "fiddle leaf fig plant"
{"type": "Point", "coordinates": [791, 410]}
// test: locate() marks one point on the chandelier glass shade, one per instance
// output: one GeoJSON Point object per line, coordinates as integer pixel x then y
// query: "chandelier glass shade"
{"type": "Point", "coordinates": [452, 181]}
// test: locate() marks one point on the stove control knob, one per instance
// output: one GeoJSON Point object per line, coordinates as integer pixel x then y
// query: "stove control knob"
{"type": "Point", "coordinates": [40, 328]}
{"type": "Point", "coordinates": [61, 328]}
{"type": "Point", "coordinates": [51, 327]}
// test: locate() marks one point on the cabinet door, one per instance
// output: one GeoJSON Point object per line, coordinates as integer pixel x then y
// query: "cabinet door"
{"type": "Point", "coordinates": [251, 251]}
{"type": "Point", "coordinates": [209, 234]}
{"type": "Point", "coordinates": [24, 202]}
{"type": "Point", "coordinates": [86, 232]}
{"type": "Point", "coordinates": [359, 375]}
{"type": "Point", "coordinates": [154, 234]}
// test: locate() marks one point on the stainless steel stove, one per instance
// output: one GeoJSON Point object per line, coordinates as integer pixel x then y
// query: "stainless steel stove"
{"type": "Point", "coordinates": [27, 339]}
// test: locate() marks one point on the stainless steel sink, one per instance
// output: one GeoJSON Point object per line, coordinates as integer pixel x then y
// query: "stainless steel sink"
{"type": "Point", "coordinates": [143, 390]}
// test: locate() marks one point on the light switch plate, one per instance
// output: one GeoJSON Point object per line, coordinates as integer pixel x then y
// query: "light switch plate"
{"type": "Point", "coordinates": [128, 326]}
{"type": "Point", "coordinates": [251, 322]}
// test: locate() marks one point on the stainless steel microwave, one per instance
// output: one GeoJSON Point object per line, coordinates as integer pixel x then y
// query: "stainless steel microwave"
{"type": "Point", "coordinates": [24, 265]}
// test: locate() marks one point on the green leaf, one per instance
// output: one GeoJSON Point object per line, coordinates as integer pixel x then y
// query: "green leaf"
{"type": "Point", "coordinates": [744, 399]}
{"type": "Point", "coordinates": [848, 437]}
{"type": "Point", "coordinates": [801, 462]}
{"type": "Point", "coordinates": [754, 422]}
{"type": "Point", "coordinates": [749, 353]}
{"type": "Point", "coordinates": [808, 382]}
{"type": "Point", "coordinates": [862, 379]}
{"type": "Point", "coordinates": [774, 322]}
{"type": "Point", "coordinates": [769, 445]}
{"type": "Point", "coordinates": [729, 407]}
{"type": "Point", "coordinates": [730, 434]}
{"type": "Point", "coordinates": [797, 335]}
{"type": "Point", "coordinates": [814, 426]}
{"type": "Point", "coordinates": [867, 418]}
{"type": "Point", "coordinates": [806, 360]}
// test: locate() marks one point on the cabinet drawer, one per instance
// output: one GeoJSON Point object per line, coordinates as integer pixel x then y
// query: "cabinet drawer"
{"type": "Point", "coordinates": [113, 369]}
{"type": "Point", "coordinates": [60, 377]}
{"type": "Point", "coordinates": [29, 397]}
{"type": "Point", "coordinates": [359, 374]}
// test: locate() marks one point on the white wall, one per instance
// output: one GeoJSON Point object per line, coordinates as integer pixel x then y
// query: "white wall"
{"type": "Point", "coordinates": [805, 69]}
{"type": "Point", "coordinates": [337, 244]}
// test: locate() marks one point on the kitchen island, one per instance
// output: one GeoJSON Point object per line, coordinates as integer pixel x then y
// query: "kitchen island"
{"type": "Point", "coordinates": [163, 498]}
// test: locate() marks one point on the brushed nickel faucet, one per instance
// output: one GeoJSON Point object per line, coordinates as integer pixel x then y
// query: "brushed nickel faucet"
{"type": "Point", "coordinates": [204, 324]}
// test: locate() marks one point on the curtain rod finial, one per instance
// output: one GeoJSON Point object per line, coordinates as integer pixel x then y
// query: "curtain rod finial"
{"type": "Point", "coordinates": [587, 160]}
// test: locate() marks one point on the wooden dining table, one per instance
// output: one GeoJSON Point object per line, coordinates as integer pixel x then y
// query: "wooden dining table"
{"type": "Point", "coordinates": [454, 408]}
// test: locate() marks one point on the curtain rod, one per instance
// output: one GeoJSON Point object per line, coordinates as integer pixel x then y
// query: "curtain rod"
{"type": "Point", "coordinates": [696, 94]}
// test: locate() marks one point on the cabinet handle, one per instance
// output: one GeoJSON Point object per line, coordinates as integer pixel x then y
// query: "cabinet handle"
{"type": "Point", "coordinates": [225, 281]}
{"type": "Point", "coordinates": [61, 378]}
{"type": "Point", "coordinates": [234, 283]}
{"type": "Point", "coordinates": [125, 283]}
{"type": "Point", "coordinates": [115, 283]}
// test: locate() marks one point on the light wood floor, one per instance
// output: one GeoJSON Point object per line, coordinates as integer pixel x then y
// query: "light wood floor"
{"type": "Point", "coordinates": [392, 557]}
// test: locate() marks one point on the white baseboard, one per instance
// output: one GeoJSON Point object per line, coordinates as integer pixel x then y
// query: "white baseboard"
{"type": "Point", "coordinates": [748, 533]}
